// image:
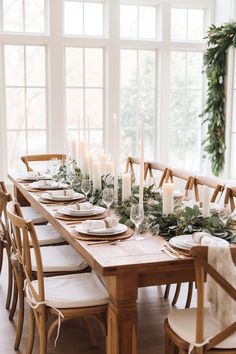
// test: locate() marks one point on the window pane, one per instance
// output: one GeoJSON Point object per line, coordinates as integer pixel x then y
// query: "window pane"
{"type": "Point", "coordinates": [37, 142]}
{"type": "Point", "coordinates": [73, 17]}
{"type": "Point", "coordinates": [74, 67]}
{"type": "Point", "coordinates": [35, 16]}
{"type": "Point", "coordinates": [93, 67]}
{"type": "Point", "coordinates": [93, 19]}
{"type": "Point", "coordinates": [96, 141]}
{"type": "Point", "coordinates": [14, 65]}
{"type": "Point", "coordinates": [74, 108]}
{"type": "Point", "coordinates": [233, 160]}
{"type": "Point", "coordinates": [13, 15]}
{"type": "Point", "coordinates": [16, 147]}
{"type": "Point", "coordinates": [179, 24]}
{"type": "Point", "coordinates": [195, 24]}
{"type": "Point", "coordinates": [178, 62]}
{"type": "Point", "coordinates": [94, 107]}
{"type": "Point", "coordinates": [195, 65]}
{"type": "Point", "coordinates": [36, 108]}
{"type": "Point", "coordinates": [15, 108]}
{"type": "Point", "coordinates": [147, 22]}
{"type": "Point", "coordinates": [35, 66]}
{"type": "Point", "coordinates": [129, 21]}
{"type": "Point", "coordinates": [129, 68]}
{"type": "Point", "coordinates": [147, 62]}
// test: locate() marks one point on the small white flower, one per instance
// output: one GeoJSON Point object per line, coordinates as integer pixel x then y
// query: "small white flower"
{"type": "Point", "coordinates": [221, 80]}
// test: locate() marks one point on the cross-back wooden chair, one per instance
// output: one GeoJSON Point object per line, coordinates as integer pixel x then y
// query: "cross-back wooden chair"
{"type": "Point", "coordinates": [64, 296]}
{"type": "Point", "coordinates": [40, 158]}
{"type": "Point", "coordinates": [130, 166]}
{"type": "Point", "coordinates": [180, 322]}
{"type": "Point", "coordinates": [213, 183]}
{"type": "Point", "coordinates": [230, 195]}
{"type": "Point", "coordinates": [160, 167]}
{"type": "Point", "coordinates": [185, 176]}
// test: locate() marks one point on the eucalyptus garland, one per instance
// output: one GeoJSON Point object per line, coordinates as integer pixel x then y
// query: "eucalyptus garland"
{"type": "Point", "coordinates": [220, 39]}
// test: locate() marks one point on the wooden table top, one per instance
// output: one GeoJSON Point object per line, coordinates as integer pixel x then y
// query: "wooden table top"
{"type": "Point", "coordinates": [142, 256]}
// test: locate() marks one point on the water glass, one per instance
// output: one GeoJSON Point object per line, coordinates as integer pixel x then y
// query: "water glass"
{"type": "Point", "coordinates": [137, 216]}
{"type": "Point", "coordinates": [108, 197]}
{"type": "Point", "coordinates": [86, 186]}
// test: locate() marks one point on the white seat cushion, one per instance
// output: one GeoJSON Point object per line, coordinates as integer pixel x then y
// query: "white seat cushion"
{"type": "Point", "coordinates": [30, 213]}
{"type": "Point", "coordinates": [48, 235]}
{"type": "Point", "coordinates": [59, 258]}
{"type": "Point", "coordinates": [74, 290]}
{"type": "Point", "coordinates": [183, 323]}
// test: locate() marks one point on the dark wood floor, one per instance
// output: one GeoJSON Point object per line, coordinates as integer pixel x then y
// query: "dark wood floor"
{"type": "Point", "coordinates": [152, 310]}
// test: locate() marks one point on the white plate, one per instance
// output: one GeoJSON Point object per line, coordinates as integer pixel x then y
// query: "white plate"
{"type": "Point", "coordinates": [62, 198]}
{"type": "Point", "coordinates": [119, 229]}
{"type": "Point", "coordinates": [34, 177]}
{"type": "Point", "coordinates": [186, 242]}
{"type": "Point", "coordinates": [52, 185]}
{"type": "Point", "coordinates": [97, 210]}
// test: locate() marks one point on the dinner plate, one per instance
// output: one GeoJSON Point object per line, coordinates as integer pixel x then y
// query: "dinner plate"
{"type": "Point", "coordinates": [34, 177]}
{"type": "Point", "coordinates": [186, 242]}
{"type": "Point", "coordinates": [52, 185]}
{"type": "Point", "coordinates": [62, 198]}
{"type": "Point", "coordinates": [95, 211]}
{"type": "Point", "coordinates": [119, 229]}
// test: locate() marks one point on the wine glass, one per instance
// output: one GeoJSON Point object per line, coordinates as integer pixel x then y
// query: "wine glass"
{"type": "Point", "coordinates": [70, 175]}
{"type": "Point", "coordinates": [137, 216]}
{"type": "Point", "coordinates": [108, 197]}
{"type": "Point", "coordinates": [86, 186]}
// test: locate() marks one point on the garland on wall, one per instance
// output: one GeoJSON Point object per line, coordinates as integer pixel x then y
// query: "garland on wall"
{"type": "Point", "coordinates": [220, 39]}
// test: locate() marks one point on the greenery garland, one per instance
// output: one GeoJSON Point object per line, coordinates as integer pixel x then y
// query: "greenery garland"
{"type": "Point", "coordinates": [215, 58]}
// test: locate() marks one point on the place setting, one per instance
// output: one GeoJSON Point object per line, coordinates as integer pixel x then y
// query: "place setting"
{"type": "Point", "coordinates": [33, 176]}
{"type": "Point", "coordinates": [81, 211]}
{"type": "Point", "coordinates": [46, 185]}
{"type": "Point", "coordinates": [61, 196]}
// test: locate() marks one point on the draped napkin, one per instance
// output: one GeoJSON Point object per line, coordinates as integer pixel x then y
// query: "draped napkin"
{"type": "Point", "coordinates": [60, 193]}
{"type": "Point", "coordinates": [222, 305]}
{"type": "Point", "coordinates": [107, 224]}
{"type": "Point", "coordinates": [80, 206]}
{"type": "Point", "coordinates": [204, 239]}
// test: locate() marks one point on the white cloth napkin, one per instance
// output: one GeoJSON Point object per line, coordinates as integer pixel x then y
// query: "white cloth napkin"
{"type": "Point", "coordinates": [203, 238]}
{"type": "Point", "coordinates": [222, 305]}
{"type": "Point", "coordinates": [47, 183]}
{"type": "Point", "coordinates": [108, 223]}
{"type": "Point", "coordinates": [81, 206]}
{"type": "Point", "coordinates": [61, 193]}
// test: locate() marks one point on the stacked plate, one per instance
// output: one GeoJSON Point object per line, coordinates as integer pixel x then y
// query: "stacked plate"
{"type": "Point", "coordinates": [70, 211]}
{"type": "Point", "coordinates": [34, 176]}
{"type": "Point", "coordinates": [118, 229]}
{"type": "Point", "coordinates": [186, 242]}
{"type": "Point", "coordinates": [45, 185]}
{"type": "Point", "coordinates": [60, 196]}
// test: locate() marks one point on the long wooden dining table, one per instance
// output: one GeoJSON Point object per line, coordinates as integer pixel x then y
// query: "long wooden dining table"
{"type": "Point", "coordinates": [124, 267]}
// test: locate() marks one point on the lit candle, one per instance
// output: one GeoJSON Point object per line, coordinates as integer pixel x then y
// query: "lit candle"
{"type": "Point", "coordinates": [115, 152]}
{"type": "Point", "coordinates": [205, 202]}
{"type": "Point", "coordinates": [83, 153]}
{"type": "Point", "coordinates": [103, 159]}
{"type": "Point", "coordinates": [88, 131]}
{"type": "Point", "coordinates": [141, 184]}
{"type": "Point", "coordinates": [90, 165]}
{"type": "Point", "coordinates": [126, 186]}
{"type": "Point", "coordinates": [96, 176]}
{"type": "Point", "coordinates": [167, 198]}
{"type": "Point", "coordinates": [73, 149]}
{"type": "Point", "coordinates": [78, 141]}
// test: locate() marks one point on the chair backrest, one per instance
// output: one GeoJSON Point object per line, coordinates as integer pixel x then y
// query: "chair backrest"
{"type": "Point", "coordinates": [40, 158]}
{"type": "Point", "coordinates": [24, 236]}
{"type": "Point", "coordinates": [202, 267]}
{"type": "Point", "coordinates": [182, 179]}
{"type": "Point", "coordinates": [158, 171]}
{"type": "Point", "coordinates": [214, 184]}
{"type": "Point", "coordinates": [230, 194]}
{"type": "Point", "coordinates": [3, 187]}
{"type": "Point", "coordinates": [4, 223]}
{"type": "Point", "coordinates": [130, 166]}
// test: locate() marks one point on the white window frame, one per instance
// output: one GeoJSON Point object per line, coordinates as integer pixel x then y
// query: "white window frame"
{"type": "Point", "coordinates": [56, 42]}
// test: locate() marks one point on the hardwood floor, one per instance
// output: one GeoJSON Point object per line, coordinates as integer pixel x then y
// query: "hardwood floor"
{"type": "Point", "coordinates": [73, 339]}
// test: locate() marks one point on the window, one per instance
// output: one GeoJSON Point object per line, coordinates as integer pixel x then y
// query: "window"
{"type": "Point", "coordinates": [138, 93]}
{"type": "Point", "coordinates": [83, 18]}
{"type": "Point", "coordinates": [186, 105]}
{"type": "Point", "coordinates": [25, 92]}
{"type": "Point", "coordinates": [232, 142]}
{"type": "Point", "coordinates": [84, 95]}
{"type": "Point", "coordinates": [68, 65]}
{"type": "Point", "coordinates": [24, 16]}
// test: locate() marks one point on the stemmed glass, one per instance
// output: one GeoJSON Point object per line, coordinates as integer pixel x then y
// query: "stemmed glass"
{"type": "Point", "coordinates": [108, 197]}
{"type": "Point", "coordinates": [86, 187]}
{"type": "Point", "coordinates": [70, 175]}
{"type": "Point", "coordinates": [137, 216]}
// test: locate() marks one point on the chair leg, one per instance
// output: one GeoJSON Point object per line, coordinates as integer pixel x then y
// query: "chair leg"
{"type": "Point", "coordinates": [31, 335]}
{"type": "Point", "coordinates": [14, 299]}
{"type": "Point", "coordinates": [167, 292]}
{"type": "Point", "coordinates": [169, 346]}
{"type": "Point", "coordinates": [21, 309]}
{"type": "Point", "coordinates": [10, 283]}
{"type": "Point", "coordinates": [42, 332]}
{"type": "Point", "coordinates": [189, 296]}
{"type": "Point", "coordinates": [1, 254]}
{"type": "Point", "coordinates": [176, 296]}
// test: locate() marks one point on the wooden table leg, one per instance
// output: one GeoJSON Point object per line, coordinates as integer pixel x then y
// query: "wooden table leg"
{"type": "Point", "coordinates": [122, 314]}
